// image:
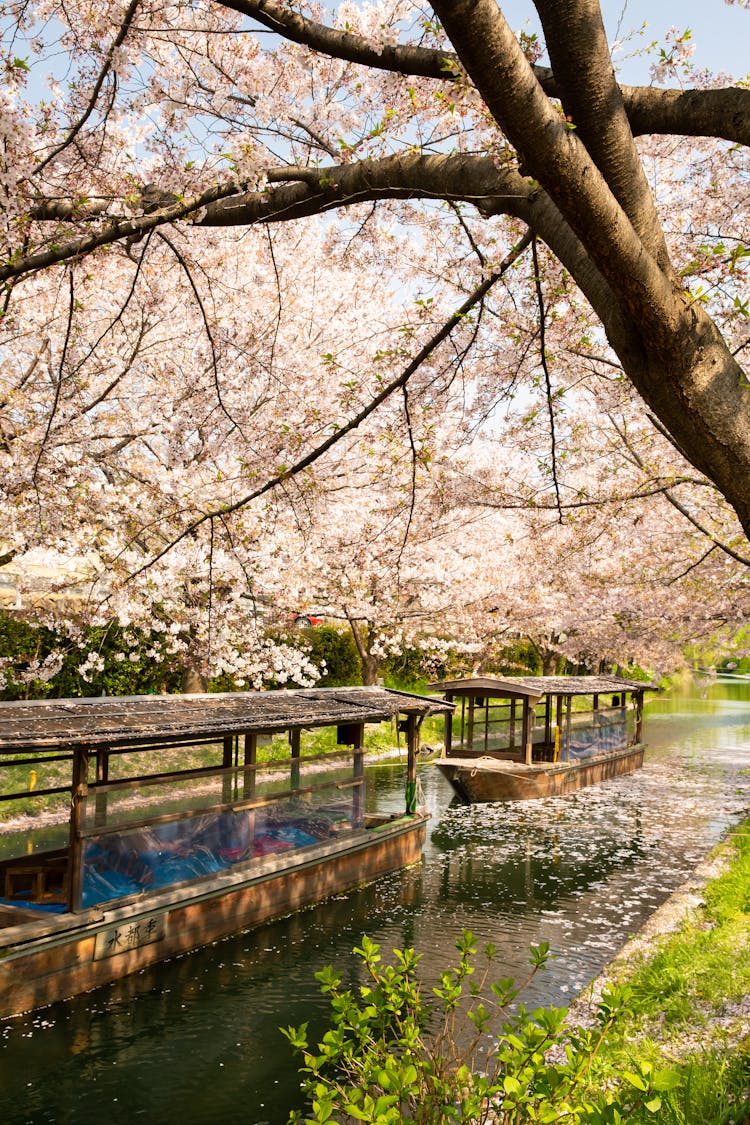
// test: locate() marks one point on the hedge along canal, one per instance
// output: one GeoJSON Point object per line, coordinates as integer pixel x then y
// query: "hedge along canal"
{"type": "Point", "coordinates": [196, 1040]}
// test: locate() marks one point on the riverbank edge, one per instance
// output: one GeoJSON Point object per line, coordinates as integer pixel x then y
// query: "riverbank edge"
{"type": "Point", "coordinates": [720, 1029]}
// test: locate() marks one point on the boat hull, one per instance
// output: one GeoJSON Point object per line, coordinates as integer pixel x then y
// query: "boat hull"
{"type": "Point", "coordinates": [61, 956]}
{"type": "Point", "coordinates": [478, 780]}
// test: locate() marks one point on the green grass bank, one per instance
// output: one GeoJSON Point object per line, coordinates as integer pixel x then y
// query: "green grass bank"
{"type": "Point", "coordinates": [661, 1037]}
{"type": "Point", "coordinates": [688, 1011]}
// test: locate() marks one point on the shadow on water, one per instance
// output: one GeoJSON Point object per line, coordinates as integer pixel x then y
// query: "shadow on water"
{"type": "Point", "coordinates": [196, 1039]}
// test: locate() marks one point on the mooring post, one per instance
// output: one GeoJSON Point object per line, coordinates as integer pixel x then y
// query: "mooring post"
{"type": "Point", "coordinates": [412, 744]}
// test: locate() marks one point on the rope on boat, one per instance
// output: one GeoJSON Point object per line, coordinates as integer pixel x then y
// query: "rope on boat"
{"type": "Point", "coordinates": [503, 773]}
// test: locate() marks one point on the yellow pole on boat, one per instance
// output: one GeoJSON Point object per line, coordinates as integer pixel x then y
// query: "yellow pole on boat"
{"type": "Point", "coordinates": [556, 756]}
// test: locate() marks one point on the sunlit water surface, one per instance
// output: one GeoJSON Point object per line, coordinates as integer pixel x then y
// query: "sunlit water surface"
{"type": "Point", "coordinates": [195, 1040]}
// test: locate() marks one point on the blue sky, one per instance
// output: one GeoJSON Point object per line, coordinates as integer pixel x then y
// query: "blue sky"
{"type": "Point", "coordinates": [721, 33]}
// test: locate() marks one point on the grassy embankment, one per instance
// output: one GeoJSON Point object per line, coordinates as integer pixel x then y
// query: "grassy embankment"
{"type": "Point", "coordinates": [690, 1001]}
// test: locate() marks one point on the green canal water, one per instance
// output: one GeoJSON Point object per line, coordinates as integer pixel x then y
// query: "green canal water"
{"type": "Point", "coordinates": [195, 1040]}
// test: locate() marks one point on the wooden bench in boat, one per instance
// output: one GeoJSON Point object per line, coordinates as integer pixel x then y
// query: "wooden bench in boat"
{"type": "Point", "coordinates": [36, 879]}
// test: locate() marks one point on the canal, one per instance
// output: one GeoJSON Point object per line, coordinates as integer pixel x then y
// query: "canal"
{"type": "Point", "coordinates": [196, 1041]}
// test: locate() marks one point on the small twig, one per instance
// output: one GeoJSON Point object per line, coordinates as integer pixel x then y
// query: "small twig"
{"type": "Point", "coordinates": [545, 368]}
{"type": "Point", "coordinates": [413, 496]}
{"type": "Point", "coordinates": [59, 380]}
{"type": "Point", "coordinates": [207, 328]}
{"type": "Point", "coordinates": [116, 42]}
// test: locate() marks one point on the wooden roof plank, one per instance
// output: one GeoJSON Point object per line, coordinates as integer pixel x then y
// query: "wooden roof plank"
{"type": "Point", "coordinates": [538, 686]}
{"type": "Point", "coordinates": [132, 720]}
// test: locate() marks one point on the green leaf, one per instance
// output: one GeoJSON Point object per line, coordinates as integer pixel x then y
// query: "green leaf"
{"type": "Point", "coordinates": [409, 1075]}
{"type": "Point", "coordinates": [635, 1080]}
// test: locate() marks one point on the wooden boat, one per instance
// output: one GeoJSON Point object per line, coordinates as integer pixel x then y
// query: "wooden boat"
{"type": "Point", "coordinates": [521, 738]}
{"type": "Point", "coordinates": [160, 855]}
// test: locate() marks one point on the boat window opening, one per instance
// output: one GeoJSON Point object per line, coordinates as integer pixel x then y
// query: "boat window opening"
{"type": "Point", "coordinates": [493, 727]}
{"type": "Point", "coordinates": [161, 855]}
{"type": "Point", "coordinates": [128, 799]}
{"type": "Point", "coordinates": [560, 727]}
{"type": "Point", "coordinates": [149, 831]}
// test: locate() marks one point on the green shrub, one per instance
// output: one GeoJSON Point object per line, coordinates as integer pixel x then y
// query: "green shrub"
{"type": "Point", "coordinates": [337, 648]}
{"type": "Point", "coordinates": [472, 1054]}
{"type": "Point", "coordinates": [129, 669]}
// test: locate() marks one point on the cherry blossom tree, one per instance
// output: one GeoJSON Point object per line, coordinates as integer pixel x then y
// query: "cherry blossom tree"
{"type": "Point", "coordinates": [384, 102]}
{"type": "Point", "coordinates": [248, 239]}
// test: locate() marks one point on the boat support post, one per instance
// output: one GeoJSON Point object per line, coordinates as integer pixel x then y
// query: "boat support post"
{"type": "Point", "coordinates": [638, 716]}
{"type": "Point", "coordinates": [412, 748]}
{"type": "Point", "coordinates": [526, 732]}
{"type": "Point", "coordinates": [448, 728]}
{"type": "Point", "coordinates": [79, 792]}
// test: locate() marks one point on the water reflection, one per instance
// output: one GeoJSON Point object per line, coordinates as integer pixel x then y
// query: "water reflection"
{"type": "Point", "coordinates": [196, 1039]}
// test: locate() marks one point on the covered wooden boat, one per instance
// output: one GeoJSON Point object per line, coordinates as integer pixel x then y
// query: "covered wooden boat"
{"type": "Point", "coordinates": [161, 855]}
{"type": "Point", "coordinates": [540, 736]}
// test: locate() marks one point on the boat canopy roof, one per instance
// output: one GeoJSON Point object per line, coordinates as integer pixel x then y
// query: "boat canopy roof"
{"type": "Point", "coordinates": [534, 687]}
{"type": "Point", "coordinates": [145, 719]}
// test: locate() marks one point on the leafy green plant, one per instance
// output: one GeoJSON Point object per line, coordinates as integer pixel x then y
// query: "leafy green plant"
{"type": "Point", "coordinates": [127, 668]}
{"type": "Point", "coordinates": [470, 1053]}
{"type": "Point", "coordinates": [337, 650]}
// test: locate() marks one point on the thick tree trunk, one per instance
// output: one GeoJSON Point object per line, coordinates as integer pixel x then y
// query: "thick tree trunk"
{"type": "Point", "coordinates": [370, 670]}
{"type": "Point", "coordinates": [193, 680]}
{"type": "Point", "coordinates": [672, 351]}
{"type": "Point", "coordinates": [370, 664]}
{"type": "Point", "coordinates": [700, 394]}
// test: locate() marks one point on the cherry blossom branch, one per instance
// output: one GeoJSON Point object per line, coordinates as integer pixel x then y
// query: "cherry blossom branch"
{"type": "Point", "coordinates": [184, 265]}
{"type": "Point", "coordinates": [116, 231]}
{"type": "Point", "coordinates": [666, 434]}
{"type": "Point", "coordinates": [545, 369]}
{"type": "Point", "coordinates": [396, 384]}
{"type": "Point", "coordinates": [116, 320]}
{"type": "Point", "coordinates": [469, 236]}
{"type": "Point", "coordinates": [459, 177]}
{"type": "Point", "coordinates": [693, 566]}
{"type": "Point", "coordinates": [413, 481]}
{"type": "Point", "coordinates": [744, 559]}
{"type": "Point", "coordinates": [595, 502]}
{"type": "Point", "coordinates": [678, 505]}
{"type": "Point", "coordinates": [404, 59]}
{"type": "Point", "coordinates": [723, 113]}
{"type": "Point", "coordinates": [59, 380]}
{"type": "Point", "coordinates": [107, 66]}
